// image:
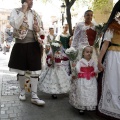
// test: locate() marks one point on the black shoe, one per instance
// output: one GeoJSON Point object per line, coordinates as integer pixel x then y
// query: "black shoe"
{"type": "Point", "coordinates": [81, 112]}
{"type": "Point", "coordinates": [54, 96]}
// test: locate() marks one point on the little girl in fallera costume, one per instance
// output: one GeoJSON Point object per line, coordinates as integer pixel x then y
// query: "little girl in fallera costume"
{"type": "Point", "coordinates": [54, 79]}
{"type": "Point", "coordinates": [83, 93]}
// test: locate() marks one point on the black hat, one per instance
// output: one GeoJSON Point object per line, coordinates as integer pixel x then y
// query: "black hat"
{"type": "Point", "coordinates": [22, 1]}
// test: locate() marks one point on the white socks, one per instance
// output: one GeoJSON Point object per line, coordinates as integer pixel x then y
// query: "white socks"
{"type": "Point", "coordinates": [21, 79]}
{"type": "Point", "coordinates": [34, 82]}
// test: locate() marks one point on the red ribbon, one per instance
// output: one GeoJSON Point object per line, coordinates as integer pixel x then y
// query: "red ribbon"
{"type": "Point", "coordinates": [65, 59]}
{"type": "Point", "coordinates": [57, 60]}
{"type": "Point", "coordinates": [86, 72]}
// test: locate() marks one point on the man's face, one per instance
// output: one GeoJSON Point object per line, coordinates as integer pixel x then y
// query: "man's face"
{"type": "Point", "coordinates": [51, 31]}
{"type": "Point", "coordinates": [30, 3]}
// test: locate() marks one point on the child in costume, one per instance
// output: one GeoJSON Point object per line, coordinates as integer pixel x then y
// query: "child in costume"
{"type": "Point", "coordinates": [83, 93]}
{"type": "Point", "coordinates": [54, 79]}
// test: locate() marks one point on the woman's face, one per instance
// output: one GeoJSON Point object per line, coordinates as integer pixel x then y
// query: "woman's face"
{"type": "Point", "coordinates": [88, 16]}
{"type": "Point", "coordinates": [65, 28]}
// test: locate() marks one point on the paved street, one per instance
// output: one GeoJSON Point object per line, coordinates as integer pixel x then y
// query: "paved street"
{"type": "Point", "coordinates": [13, 109]}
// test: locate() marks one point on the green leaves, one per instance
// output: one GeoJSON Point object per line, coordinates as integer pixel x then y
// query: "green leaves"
{"type": "Point", "coordinates": [102, 5]}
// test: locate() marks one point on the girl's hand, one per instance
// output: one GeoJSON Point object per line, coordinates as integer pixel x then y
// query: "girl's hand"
{"type": "Point", "coordinates": [73, 64]}
{"type": "Point", "coordinates": [73, 77]}
{"type": "Point", "coordinates": [100, 66]}
{"type": "Point", "coordinates": [52, 58]}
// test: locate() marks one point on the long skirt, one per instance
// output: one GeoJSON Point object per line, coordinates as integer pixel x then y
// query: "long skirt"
{"type": "Point", "coordinates": [109, 87]}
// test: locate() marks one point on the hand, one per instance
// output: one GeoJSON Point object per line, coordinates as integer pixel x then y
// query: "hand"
{"type": "Point", "coordinates": [73, 64]}
{"type": "Point", "coordinates": [40, 41]}
{"type": "Point", "coordinates": [36, 28]}
{"type": "Point", "coordinates": [52, 58]}
{"type": "Point", "coordinates": [100, 66]}
{"type": "Point", "coordinates": [73, 77]}
{"type": "Point", "coordinates": [24, 7]}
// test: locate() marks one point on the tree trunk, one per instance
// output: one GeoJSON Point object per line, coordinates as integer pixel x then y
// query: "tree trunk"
{"type": "Point", "coordinates": [69, 19]}
{"type": "Point", "coordinates": [68, 7]}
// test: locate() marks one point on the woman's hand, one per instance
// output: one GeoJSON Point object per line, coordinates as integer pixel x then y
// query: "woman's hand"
{"type": "Point", "coordinates": [100, 66]}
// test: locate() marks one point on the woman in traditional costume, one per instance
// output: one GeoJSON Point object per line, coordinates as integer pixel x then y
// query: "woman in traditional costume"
{"type": "Point", "coordinates": [109, 78]}
{"type": "Point", "coordinates": [85, 34]}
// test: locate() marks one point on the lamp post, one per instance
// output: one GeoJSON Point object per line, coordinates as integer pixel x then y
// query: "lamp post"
{"type": "Point", "coordinates": [62, 11]}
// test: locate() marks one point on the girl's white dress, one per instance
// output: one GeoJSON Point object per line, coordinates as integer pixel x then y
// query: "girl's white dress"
{"type": "Point", "coordinates": [83, 92]}
{"type": "Point", "coordinates": [54, 79]}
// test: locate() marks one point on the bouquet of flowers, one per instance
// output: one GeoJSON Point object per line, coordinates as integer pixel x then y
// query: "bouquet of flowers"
{"type": "Point", "coordinates": [71, 53]}
{"type": "Point", "coordinates": [98, 29]}
{"type": "Point", "coordinates": [55, 47]}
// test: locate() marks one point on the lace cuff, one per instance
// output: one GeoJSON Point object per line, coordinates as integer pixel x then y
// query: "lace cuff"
{"type": "Point", "coordinates": [108, 35]}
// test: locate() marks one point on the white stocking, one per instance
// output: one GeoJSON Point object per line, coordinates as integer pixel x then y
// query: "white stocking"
{"type": "Point", "coordinates": [34, 82]}
{"type": "Point", "coordinates": [21, 79]}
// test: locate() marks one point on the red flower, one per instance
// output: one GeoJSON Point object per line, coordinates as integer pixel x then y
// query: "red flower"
{"type": "Point", "coordinates": [42, 36]}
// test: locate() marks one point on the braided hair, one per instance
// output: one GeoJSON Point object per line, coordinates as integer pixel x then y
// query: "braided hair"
{"type": "Point", "coordinates": [114, 12]}
{"type": "Point", "coordinates": [22, 1]}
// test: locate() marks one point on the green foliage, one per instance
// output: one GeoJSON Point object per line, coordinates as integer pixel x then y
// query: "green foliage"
{"type": "Point", "coordinates": [102, 5]}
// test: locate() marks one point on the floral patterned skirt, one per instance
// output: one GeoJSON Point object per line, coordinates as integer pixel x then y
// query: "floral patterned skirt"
{"type": "Point", "coordinates": [54, 80]}
{"type": "Point", "coordinates": [83, 94]}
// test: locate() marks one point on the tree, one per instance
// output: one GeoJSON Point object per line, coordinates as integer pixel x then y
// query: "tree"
{"type": "Point", "coordinates": [105, 6]}
{"type": "Point", "coordinates": [69, 4]}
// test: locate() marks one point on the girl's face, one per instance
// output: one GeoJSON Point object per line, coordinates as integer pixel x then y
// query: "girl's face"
{"type": "Point", "coordinates": [87, 53]}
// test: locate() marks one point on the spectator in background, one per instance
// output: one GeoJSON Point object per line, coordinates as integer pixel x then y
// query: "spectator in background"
{"type": "Point", "coordinates": [9, 34]}
{"type": "Point", "coordinates": [64, 38]}
{"type": "Point", "coordinates": [51, 36]}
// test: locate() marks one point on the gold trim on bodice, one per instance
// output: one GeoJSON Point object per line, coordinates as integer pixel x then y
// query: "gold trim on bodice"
{"type": "Point", "coordinates": [116, 36]}
{"type": "Point", "coordinates": [115, 40]}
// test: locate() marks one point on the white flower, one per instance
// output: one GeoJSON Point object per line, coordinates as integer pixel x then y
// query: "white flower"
{"type": "Point", "coordinates": [55, 44]}
{"type": "Point", "coordinates": [69, 50]}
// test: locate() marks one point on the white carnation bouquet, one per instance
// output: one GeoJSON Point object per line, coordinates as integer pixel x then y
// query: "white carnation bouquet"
{"type": "Point", "coordinates": [71, 53]}
{"type": "Point", "coordinates": [55, 47]}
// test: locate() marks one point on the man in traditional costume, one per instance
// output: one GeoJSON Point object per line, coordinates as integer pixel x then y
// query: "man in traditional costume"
{"type": "Point", "coordinates": [26, 52]}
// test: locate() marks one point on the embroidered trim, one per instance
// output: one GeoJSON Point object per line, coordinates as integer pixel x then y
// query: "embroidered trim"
{"type": "Point", "coordinates": [111, 114]}
{"type": "Point", "coordinates": [117, 20]}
